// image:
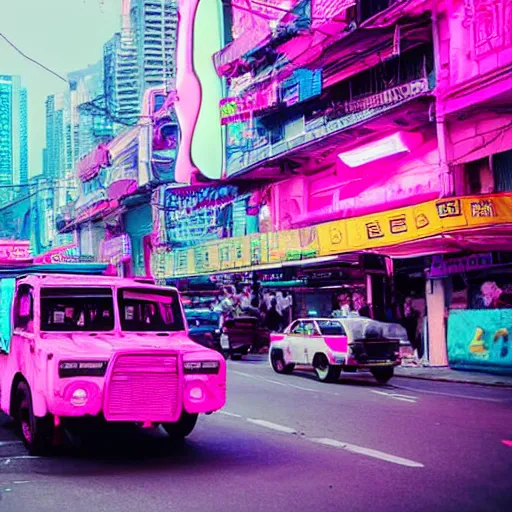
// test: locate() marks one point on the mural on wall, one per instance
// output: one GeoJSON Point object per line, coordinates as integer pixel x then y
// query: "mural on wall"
{"type": "Point", "coordinates": [480, 339]}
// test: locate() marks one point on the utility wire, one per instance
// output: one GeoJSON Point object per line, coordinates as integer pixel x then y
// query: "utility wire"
{"type": "Point", "coordinates": [24, 55]}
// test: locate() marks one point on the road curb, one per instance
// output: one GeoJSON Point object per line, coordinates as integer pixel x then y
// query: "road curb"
{"type": "Point", "coordinates": [495, 384]}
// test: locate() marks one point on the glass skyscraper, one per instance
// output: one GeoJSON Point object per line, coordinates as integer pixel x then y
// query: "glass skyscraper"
{"type": "Point", "coordinates": [13, 131]}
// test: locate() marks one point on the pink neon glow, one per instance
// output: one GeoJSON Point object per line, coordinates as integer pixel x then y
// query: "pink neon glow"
{"type": "Point", "coordinates": [507, 442]}
{"type": "Point", "coordinates": [349, 192]}
{"type": "Point", "coordinates": [188, 102]}
{"type": "Point", "coordinates": [336, 343]}
{"type": "Point", "coordinates": [395, 144]}
{"type": "Point", "coordinates": [51, 394]}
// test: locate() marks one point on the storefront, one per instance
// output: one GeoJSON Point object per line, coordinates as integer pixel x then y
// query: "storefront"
{"type": "Point", "coordinates": [478, 298]}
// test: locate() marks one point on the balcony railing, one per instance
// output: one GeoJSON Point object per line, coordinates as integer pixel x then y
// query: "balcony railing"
{"type": "Point", "coordinates": [259, 148]}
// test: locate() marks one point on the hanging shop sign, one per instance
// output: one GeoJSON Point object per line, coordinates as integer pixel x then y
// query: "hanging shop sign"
{"type": "Point", "coordinates": [480, 340]}
{"type": "Point", "coordinates": [412, 223]}
{"type": "Point", "coordinates": [197, 215]}
{"type": "Point", "coordinates": [116, 249]}
{"type": "Point", "coordinates": [12, 250]}
{"type": "Point", "coordinates": [443, 266]}
{"type": "Point", "coordinates": [383, 100]}
{"type": "Point", "coordinates": [235, 110]}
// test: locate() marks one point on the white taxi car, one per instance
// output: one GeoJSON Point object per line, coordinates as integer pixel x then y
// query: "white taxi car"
{"type": "Point", "coordinates": [333, 345]}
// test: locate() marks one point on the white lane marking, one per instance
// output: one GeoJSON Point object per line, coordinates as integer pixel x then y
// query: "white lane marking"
{"type": "Point", "coordinates": [260, 378]}
{"type": "Point", "coordinates": [302, 388]}
{"type": "Point", "coordinates": [273, 426]}
{"type": "Point", "coordinates": [7, 460]}
{"type": "Point", "coordinates": [232, 414]}
{"type": "Point", "coordinates": [257, 377]}
{"type": "Point", "coordinates": [20, 482]}
{"type": "Point", "coordinates": [376, 454]}
{"type": "Point", "coordinates": [9, 443]}
{"type": "Point", "coordinates": [440, 393]}
{"type": "Point", "coordinates": [396, 396]}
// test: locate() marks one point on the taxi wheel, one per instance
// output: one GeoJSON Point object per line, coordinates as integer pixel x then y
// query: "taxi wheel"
{"type": "Point", "coordinates": [278, 363]}
{"type": "Point", "coordinates": [183, 427]}
{"type": "Point", "coordinates": [37, 433]}
{"type": "Point", "coordinates": [383, 375]}
{"type": "Point", "coordinates": [324, 371]}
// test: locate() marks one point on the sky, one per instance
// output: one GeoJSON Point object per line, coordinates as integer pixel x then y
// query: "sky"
{"type": "Point", "coordinates": [64, 35]}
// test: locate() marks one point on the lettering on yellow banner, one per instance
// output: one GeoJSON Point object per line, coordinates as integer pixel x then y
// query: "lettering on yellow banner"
{"type": "Point", "coordinates": [398, 224]}
{"type": "Point", "coordinates": [374, 230]}
{"type": "Point", "coordinates": [335, 235]}
{"type": "Point", "coordinates": [449, 208]}
{"type": "Point", "coordinates": [483, 208]}
{"type": "Point", "coordinates": [421, 221]}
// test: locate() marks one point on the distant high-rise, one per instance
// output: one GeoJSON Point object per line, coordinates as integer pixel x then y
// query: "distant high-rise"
{"type": "Point", "coordinates": [120, 70]}
{"type": "Point", "coordinates": [13, 131]}
{"type": "Point", "coordinates": [54, 163]}
{"type": "Point", "coordinates": [141, 56]}
{"type": "Point", "coordinates": [154, 24]}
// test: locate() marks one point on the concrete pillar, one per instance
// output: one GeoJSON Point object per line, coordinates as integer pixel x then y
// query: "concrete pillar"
{"type": "Point", "coordinates": [435, 295]}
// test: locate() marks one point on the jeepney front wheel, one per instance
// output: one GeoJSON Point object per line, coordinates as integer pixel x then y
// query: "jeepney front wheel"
{"type": "Point", "coordinates": [325, 371]}
{"type": "Point", "coordinates": [37, 433]}
{"type": "Point", "coordinates": [383, 374]}
{"type": "Point", "coordinates": [183, 427]}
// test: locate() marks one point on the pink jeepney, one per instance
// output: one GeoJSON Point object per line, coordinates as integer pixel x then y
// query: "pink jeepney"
{"type": "Point", "coordinates": [89, 346]}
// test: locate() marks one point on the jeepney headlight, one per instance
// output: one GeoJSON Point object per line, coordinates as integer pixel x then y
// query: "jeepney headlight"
{"type": "Point", "coordinates": [82, 368]}
{"type": "Point", "coordinates": [203, 367]}
{"type": "Point", "coordinates": [79, 397]}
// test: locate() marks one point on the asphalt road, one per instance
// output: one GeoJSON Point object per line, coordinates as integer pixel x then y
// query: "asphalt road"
{"type": "Point", "coordinates": [289, 443]}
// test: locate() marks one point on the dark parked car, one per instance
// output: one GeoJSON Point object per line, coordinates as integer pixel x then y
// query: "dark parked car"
{"type": "Point", "coordinates": [243, 335]}
{"type": "Point", "coordinates": [203, 327]}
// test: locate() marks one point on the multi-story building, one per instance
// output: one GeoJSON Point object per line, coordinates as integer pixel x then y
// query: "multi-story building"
{"type": "Point", "coordinates": [56, 162]}
{"type": "Point", "coordinates": [376, 141]}
{"type": "Point", "coordinates": [140, 56]}
{"type": "Point", "coordinates": [91, 124]}
{"type": "Point", "coordinates": [120, 72]}
{"type": "Point", "coordinates": [154, 26]}
{"type": "Point", "coordinates": [13, 132]}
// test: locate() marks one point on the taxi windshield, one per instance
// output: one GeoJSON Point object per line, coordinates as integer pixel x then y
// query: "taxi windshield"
{"type": "Point", "coordinates": [145, 309]}
{"type": "Point", "coordinates": [69, 309]}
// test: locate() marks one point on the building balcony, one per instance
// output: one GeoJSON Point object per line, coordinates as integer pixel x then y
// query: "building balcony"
{"type": "Point", "coordinates": [291, 127]}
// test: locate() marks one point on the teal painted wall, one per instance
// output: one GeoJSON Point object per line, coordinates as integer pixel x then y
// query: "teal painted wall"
{"type": "Point", "coordinates": [478, 339]}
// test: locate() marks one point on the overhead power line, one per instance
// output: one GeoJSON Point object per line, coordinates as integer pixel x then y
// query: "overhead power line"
{"type": "Point", "coordinates": [24, 55]}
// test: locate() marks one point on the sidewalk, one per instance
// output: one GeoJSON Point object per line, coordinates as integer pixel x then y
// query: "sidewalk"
{"type": "Point", "coordinates": [445, 374]}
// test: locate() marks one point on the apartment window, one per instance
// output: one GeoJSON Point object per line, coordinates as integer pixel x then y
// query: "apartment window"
{"type": "Point", "coordinates": [294, 127]}
{"type": "Point", "coordinates": [502, 170]}
{"type": "Point", "coordinates": [479, 177]}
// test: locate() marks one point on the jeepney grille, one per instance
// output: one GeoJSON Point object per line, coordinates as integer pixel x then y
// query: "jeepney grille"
{"type": "Point", "coordinates": [145, 387]}
{"type": "Point", "coordinates": [375, 350]}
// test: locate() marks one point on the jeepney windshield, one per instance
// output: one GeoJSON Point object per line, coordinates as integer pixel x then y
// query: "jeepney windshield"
{"type": "Point", "coordinates": [71, 309]}
{"type": "Point", "coordinates": [150, 310]}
